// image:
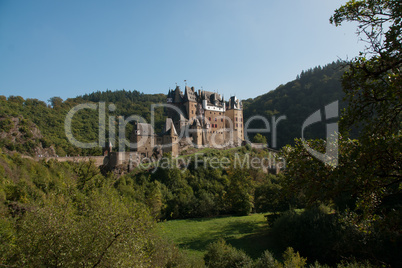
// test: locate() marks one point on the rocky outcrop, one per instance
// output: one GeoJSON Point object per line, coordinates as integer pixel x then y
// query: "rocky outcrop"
{"type": "Point", "coordinates": [21, 135]}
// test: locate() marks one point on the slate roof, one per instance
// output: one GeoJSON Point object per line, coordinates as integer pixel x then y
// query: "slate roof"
{"type": "Point", "coordinates": [189, 94]}
{"type": "Point", "coordinates": [145, 129]}
{"type": "Point", "coordinates": [212, 98]}
{"type": "Point", "coordinates": [168, 124]}
{"type": "Point", "coordinates": [177, 95]}
{"type": "Point", "coordinates": [234, 103]}
{"type": "Point", "coordinates": [169, 127]}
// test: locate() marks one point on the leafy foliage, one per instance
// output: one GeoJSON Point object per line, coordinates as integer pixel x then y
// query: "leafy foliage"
{"type": "Point", "coordinates": [260, 139]}
{"type": "Point", "coordinates": [365, 187]}
{"type": "Point", "coordinates": [373, 87]}
{"type": "Point", "coordinates": [204, 191]}
{"type": "Point", "coordinates": [222, 255]}
{"type": "Point", "coordinates": [49, 217]}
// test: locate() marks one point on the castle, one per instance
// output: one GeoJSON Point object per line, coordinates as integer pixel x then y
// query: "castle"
{"type": "Point", "coordinates": [194, 119]}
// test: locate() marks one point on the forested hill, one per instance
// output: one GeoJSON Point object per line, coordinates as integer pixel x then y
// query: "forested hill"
{"type": "Point", "coordinates": [297, 100]}
{"type": "Point", "coordinates": [49, 119]}
{"type": "Point", "coordinates": [312, 90]}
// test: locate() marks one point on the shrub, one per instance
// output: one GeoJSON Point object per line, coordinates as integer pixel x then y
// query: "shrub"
{"type": "Point", "coordinates": [222, 255]}
{"type": "Point", "coordinates": [6, 125]}
{"type": "Point", "coordinates": [267, 261]}
{"type": "Point", "coordinates": [260, 139]}
{"type": "Point", "coordinates": [292, 259]}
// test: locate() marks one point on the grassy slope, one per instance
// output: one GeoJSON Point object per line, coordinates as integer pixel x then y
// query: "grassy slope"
{"type": "Point", "coordinates": [249, 233]}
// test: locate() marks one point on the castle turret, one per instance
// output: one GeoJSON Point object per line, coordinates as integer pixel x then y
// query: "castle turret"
{"type": "Point", "coordinates": [177, 95]}
{"type": "Point", "coordinates": [190, 102]}
{"type": "Point", "coordinates": [196, 133]}
{"type": "Point", "coordinates": [235, 113]}
{"type": "Point", "coordinates": [170, 138]}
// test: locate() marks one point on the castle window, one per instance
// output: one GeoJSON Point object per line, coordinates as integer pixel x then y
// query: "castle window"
{"type": "Point", "coordinates": [221, 119]}
{"type": "Point", "coordinates": [209, 118]}
{"type": "Point", "coordinates": [236, 119]}
{"type": "Point", "coordinates": [236, 125]}
{"type": "Point", "coordinates": [215, 119]}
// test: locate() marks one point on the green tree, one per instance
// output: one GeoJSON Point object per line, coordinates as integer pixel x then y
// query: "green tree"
{"type": "Point", "coordinates": [56, 102]}
{"type": "Point", "coordinates": [373, 88]}
{"type": "Point", "coordinates": [260, 139]}
{"type": "Point", "coordinates": [366, 184]}
{"type": "Point", "coordinates": [222, 255]}
{"type": "Point", "coordinates": [240, 191]}
{"type": "Point", "coordinates": [368, 177]}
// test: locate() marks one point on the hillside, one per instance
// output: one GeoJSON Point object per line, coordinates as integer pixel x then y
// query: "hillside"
{"type": "Point", "coordinates": [297, 100]}
{"type": "Point", "coordinates": [312, 90]}
{"type": "Point", "coordinates": [49, 119]}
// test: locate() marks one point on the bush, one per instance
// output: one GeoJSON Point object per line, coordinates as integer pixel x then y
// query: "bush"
{"type": "Point", "coordinates": [292, 259]}
{"type": "Point", "coordinates": [46, 143]}
{"type": "Point", "coordinates": [222, 255]}
{"type": "Point", "coordinates": [260, 139]}
{"type": "Point", "coordinates": [266, 261]}
{"type": "Point", "coordinates": [6, 125]}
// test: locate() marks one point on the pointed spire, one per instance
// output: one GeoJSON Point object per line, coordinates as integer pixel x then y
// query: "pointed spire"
{"type": "Point", "coordinates": [172, 131]}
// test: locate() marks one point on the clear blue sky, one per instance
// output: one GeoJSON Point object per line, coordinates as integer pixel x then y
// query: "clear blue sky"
{"type": "Point", "coordinates": [243, 48]}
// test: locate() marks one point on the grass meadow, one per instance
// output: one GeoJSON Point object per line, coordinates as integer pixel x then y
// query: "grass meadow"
{"type": "Point", "coordinates": [248, 233]}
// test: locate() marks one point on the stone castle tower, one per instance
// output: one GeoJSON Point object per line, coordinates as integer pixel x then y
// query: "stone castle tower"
{"type": "Point", "coordinates": [199, 119]}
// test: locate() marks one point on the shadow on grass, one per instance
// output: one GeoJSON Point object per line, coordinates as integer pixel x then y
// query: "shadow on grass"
{"type": "Point", "coordinates": [255, 244]}
{"type": "Point", "coordinates": [250, 237]}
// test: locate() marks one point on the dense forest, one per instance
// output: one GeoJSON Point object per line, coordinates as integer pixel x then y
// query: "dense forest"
{"type": "Point", "coordinates": [50, 119]}
{"type": "Point", "coordinates": [313, 89]}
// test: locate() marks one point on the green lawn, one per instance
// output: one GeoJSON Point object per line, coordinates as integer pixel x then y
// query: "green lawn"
{"type": "Point", "coordinates": [249, 233]}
